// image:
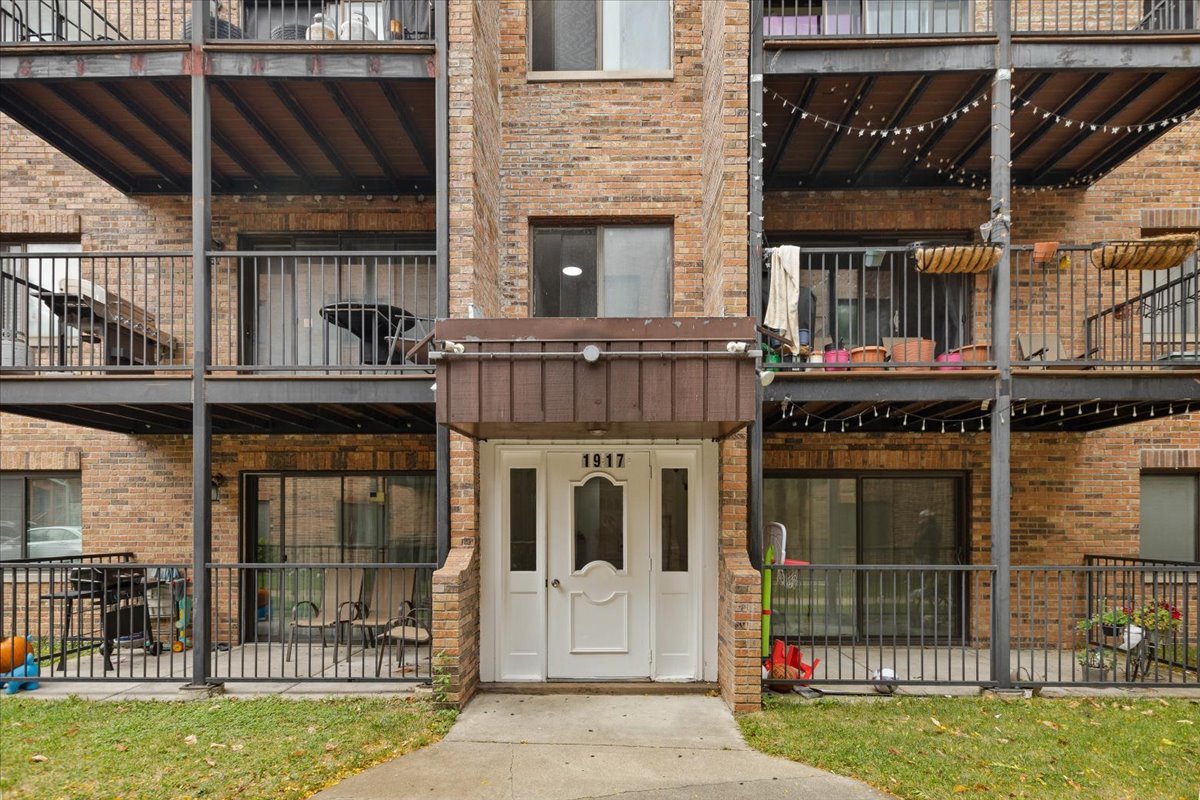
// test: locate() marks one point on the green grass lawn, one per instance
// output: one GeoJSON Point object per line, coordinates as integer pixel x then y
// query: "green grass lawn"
{"type": "Point", "coordinates": [259, 748]}
{"type": "Point", "coordinates": [964, 747]}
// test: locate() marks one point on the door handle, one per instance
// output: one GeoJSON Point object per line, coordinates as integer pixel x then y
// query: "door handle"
{"type": "Point", "coordinates": [554, 582]}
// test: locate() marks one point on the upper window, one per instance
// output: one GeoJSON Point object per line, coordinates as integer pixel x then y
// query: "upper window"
{"type": "Point", "coordinates": [40, 515]}
{"type": "Point", "coordinates": [602, 271]}
{"type": "Point", "coordinates": [1170, 524]}
{"type": "Point", "coordinates": [632, 36]}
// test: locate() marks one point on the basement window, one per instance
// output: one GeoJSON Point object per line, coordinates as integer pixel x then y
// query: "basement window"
{"type": "Point", "coordinates": [602, 271]}
{"type": "Point", "coordinates": [600, 39]}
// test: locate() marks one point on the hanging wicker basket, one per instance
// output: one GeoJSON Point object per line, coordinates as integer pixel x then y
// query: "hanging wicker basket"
{"type": "Point", "coordinates": [1159, 252]}
{"type": "Point", "coordinates": [961, 259]}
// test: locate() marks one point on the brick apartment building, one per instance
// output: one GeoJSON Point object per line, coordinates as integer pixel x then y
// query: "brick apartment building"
{"type": "Point", "coordinates": [466, 293]}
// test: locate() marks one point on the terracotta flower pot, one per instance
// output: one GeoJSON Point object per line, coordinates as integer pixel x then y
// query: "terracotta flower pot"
{"type": "Point", "coordinates": [913, 351]}
{"type": "Point", "coordinates": [973, 354]}
{"type": "Point", "coordinates": [1044, 252]}
{"type": "Point", "coordinates": [868, 354]}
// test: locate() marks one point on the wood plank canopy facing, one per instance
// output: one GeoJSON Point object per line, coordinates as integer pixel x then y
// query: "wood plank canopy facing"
{"type": "Point", "coordinates": [654, 379]}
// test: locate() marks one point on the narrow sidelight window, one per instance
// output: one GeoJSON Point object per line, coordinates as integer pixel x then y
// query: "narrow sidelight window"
{"type": "Point", "coordinates": [602, 271]}
{"type": "Point", "coordinates": [674, 520]}
{"type": "Point", "coordinates": [522, 520]}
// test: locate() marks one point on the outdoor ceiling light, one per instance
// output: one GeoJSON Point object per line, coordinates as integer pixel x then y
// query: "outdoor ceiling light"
{"type": "Point", "coordinates": [572, 272]}
{"type": "Point", "coordinates": [591, 354]}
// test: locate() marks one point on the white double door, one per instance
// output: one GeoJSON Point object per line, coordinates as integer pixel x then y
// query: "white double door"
{"type": "Point", "coordinates": [597, 570]}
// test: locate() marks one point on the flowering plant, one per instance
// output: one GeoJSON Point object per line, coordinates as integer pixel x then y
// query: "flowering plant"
{"type": "Point", "coordinates": [1158, 615]}
{"type": "Point", "coordinates": [1108, 616]}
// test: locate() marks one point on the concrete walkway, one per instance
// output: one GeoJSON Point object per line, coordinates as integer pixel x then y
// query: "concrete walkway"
{"type": "Point", "coordinates": [568, 747]}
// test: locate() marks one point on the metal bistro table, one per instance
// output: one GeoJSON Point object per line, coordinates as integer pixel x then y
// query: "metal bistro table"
{"type": "Point", "coordinates": [378, 326]}
{"type": "Point", "coordinates": [114, 593]}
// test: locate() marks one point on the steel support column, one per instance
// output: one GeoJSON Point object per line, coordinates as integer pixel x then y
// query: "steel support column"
{"type": "Point", "coordinates": [442, 201]}
{"type": "Point", "coordinates": [1001, 488]}
{"type": "Point", "coordinates": [201, 321]}
{"type": "Point", "coordinates": [754, 439]}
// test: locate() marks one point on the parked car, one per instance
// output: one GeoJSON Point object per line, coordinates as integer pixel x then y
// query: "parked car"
{"type": "Point", "coordinates": [57, 540]}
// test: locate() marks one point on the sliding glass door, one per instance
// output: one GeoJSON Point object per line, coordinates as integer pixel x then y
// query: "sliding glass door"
{"type": "Point", "coordinates": [329, 518]}
{"type": "Point", "coordinates": [910, 522]}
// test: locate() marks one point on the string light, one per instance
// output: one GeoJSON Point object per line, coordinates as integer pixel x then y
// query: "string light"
{"type": "Point", "coordinates": [1098, 127]}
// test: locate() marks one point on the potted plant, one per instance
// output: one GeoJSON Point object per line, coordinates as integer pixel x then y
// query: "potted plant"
{"type": "Point", "coordinates": [1097, 665]}
{"type": "Point", "coordinates": [1112, 620]}
{"type": "Point", "coordinates": [1158, 618]}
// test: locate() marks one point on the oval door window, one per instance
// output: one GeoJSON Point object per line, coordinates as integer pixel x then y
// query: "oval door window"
{"type": "Point", "coordinates": [599, 523]}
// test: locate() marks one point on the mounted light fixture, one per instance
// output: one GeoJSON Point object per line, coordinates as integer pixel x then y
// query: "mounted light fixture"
{"type": "Point", "coordinates": [736, 348]}
{"type": "Point", "coordinates": [591, 354]}
{"type": "Point", "coordinates": [766, 377]}
{"type": "Point", "coordinates": [215, 483]}
{"type": "Point", "coordinates": [572, 272]}
{"type": "Point", "coordinates": [453, 347]}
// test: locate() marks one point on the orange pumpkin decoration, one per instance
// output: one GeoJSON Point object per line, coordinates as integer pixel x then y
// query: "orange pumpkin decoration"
{"type": "Point", "coordinates": [12, 653]}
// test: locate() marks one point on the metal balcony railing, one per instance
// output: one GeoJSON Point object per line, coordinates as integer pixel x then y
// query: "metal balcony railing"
{"type": "Point", "coordinates": [312, 312]}
{"type": "Point", "coordinates": [800, 19]}
{"type": "Point", "coordinates": [911, 624]}
{"type": "Point", "coordinates": [162, 21]}
{"type": "Point", "coordinates": [88, 312]}
{"type": "Point", "coordinates": [1067, 313]}
{"type": "Point", "coordinates": [83, 620]}
{"type": "Point", "coordinates": [803, 19]}
{"type": "Point", "coordinates": [869, 308]}
{"type": "Point", "coordinates": [322, 312]}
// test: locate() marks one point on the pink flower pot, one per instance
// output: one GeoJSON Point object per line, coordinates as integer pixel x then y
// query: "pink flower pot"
{"type": "Point", "coordinates": [837, 357]}
{"type": "Point", "coordinates": [949, 358]}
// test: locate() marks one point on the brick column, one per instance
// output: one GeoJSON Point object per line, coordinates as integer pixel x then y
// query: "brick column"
{"type": "Point", "coordinates": [456, 584]}
{"type": "Point", "coordinates": [739, 598]}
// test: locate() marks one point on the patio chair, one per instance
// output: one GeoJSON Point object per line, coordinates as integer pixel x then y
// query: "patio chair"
{"type": "Point", "coordinates": [340, 605]}
{"type": "Point", "coordinates": [390, 616]}
{"type": "Point", "coordinates": [1046, 347]}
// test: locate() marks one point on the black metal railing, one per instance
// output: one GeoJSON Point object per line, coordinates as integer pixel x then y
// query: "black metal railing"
{"type": "Point", "coordinates": [94, 312]}
{"type": "Point", "coordinates": [795, 19]}
{"type": "Point", "coordinates": [1105, 16]}
{"type": "Point", "coordinates": [163, 21]}
{"type": "Point", "coordinates": [1133, 624]}
{"type": "Point", "coordinates": [869, 308]}
{"type": "Point", "coordinates": [116, 557]}
{"type": "Point", "coordinates": [321, 312]}
{"type": "Point", "coordinates": [802, 19]}
{"type": "Point", "coordinates": [1113, 621]}
{"type": "Point", "coordinates": [93, 621]}
{"type": "Point", "coordinates": [317, 621]}
{"type": "Point", "coordinates": [1067, 313]}
{"type": "Point", "coordinates": [887, 624]}
{"type": "Point", "coordinates": [89, 619]}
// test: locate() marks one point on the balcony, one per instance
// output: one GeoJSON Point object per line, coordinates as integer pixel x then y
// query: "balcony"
{"type": "Point", "coordinates": [885, 346]}
{"type": "Point", "coordinates": [792, 20]}
{"type": "Point", "coordinates": [301, 341]}
{"type": "Point", "coordinates": [38, 23]}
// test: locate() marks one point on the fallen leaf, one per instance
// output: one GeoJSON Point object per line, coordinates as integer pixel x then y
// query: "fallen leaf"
{"type": "Point", "coordinates": [189, 739]}
{"type": "Point", "coordinates": [1051, 724]}
{"type": "Point", "coordinates": [210, 762]}
{"type": "Point", "coordinates": [39, 758]}
{"type": "Point", "coordinates": [959, 788]}
{"type": "Point", "coordinates": [1186, 721]}
{"type": "Point", "coordinates": [218, 746]}
{"type": "Point", "coordinates": [934, 720]}
{"type": "Point", "coordinates": [238, 746]}
{"type": "Point", "coordinates": [121, 748]}
{"type": "Point", "coordinates": [894, 751]}
{"type": "Point", "coordinates": [1167, 743]}
{"type": "Point", "coordinates": [1074, 785]}
{"type": "Point", "coordinates": [330, 747]}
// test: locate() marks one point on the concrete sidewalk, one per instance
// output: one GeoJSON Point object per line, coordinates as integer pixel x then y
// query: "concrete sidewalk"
{"type": "Point", "coordinates": [568, 747]}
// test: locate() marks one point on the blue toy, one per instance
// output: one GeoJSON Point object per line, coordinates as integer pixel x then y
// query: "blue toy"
{"type": "Point", "coordinates": [29, 669]}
